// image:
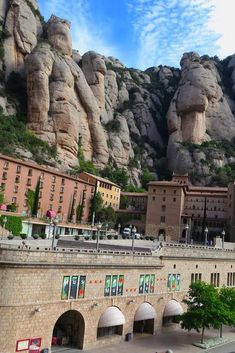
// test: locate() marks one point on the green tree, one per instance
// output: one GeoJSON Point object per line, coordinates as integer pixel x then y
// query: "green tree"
{"type": "Point", "coordinates": [30, 200]}
{"type": "Point", "coordinates": [146, 177]}
{"type": "Point", "coordinates": [2, 200]}
{"type": "Point", "coordinates": [124, 202]}
{"type": "Point", "coordinates": [79, 212]}
{"type": "Point", "coordinates": [204, 309]}
{"type": "Point", "coordinates": [36, 199]}
{"type": "Point", "coordinates": [116, 175]}
{"type": "Point", "coordinates": [96, 205]}
{"type": "Point", "coordinates": [13, 224]}
{"type": "Point", "coordinates": [227, 297]}
{"type": "Point", "coordinates": [107, 214]}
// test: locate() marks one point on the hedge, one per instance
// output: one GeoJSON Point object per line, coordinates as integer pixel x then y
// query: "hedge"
{"type": "Point", "coordinates": [13, 224]}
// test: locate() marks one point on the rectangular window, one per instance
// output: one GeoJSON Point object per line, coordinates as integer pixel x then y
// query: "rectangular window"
{"type": "Point", "coordinates": [107, 286]}
{"type": "Point", "coordinates": [114, 286]}
{"type": "Point", "coordinates": [163, 208]}
{"type": "Point", "coordinates": [146, 285]}
{"type": "Point", "coordinates": [162, 219]}
{"type": "Point", "coordinates": [14, 199]}
{"type": "Point", "coordinates": [82, 286]}
{"type": "Point", "coordinates": [152, 283]}
{"type": "Point", "coordinates": [173, 282]}
{"type": "Point", "coordinates": [30, 172]}
{"type": "Point", "coordinates": [141, 284]}
{"type": "Point", "coordinates": [65, 288]}
{"type": "Point", "coordinates": [18, 169]}
{"type": "Point", "coordinates": [73, 288]}
{"type": "Point", "coordinates": [120, 284]}
{"type": "Point", "coordinates": [17, 179]}
{"type": "Point", "coordinates": [6, 165]}
{"type": "Point", "coordinates": [28, 182]}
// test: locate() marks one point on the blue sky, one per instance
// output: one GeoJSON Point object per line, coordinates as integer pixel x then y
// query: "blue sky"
{"type": "Point", "coordinates": [145, 33]}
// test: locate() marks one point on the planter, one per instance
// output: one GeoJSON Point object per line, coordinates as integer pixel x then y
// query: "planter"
{"type": "Point", "coordinates": [10, 237]}
{"type": "Point", "coordinates": [23, 236]}
{"type": "Point", "coordinates": [35, 236]}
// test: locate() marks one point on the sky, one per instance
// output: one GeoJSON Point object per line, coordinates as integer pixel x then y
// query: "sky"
{"type": "Point", "coordinates": [145, 33]}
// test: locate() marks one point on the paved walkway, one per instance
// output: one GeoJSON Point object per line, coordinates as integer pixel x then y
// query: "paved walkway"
{"type": "Point", "coordinates": [179, 341]}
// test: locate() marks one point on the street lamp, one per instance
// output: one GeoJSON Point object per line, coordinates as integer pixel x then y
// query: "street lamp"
{"type": "Point", "coordinates": [186, 227]}
{"type": "Point", "coordinates": [133, 231]}
{"type": "Point", "coordinates": [55, 221]}
{"type": "Point", "coordinates": [4, 221]}
{"type": "Point", "coordinates": [106, 229]}
{"type": "Point", "coordinates": [99, 226]}
{"type": "Point", "coordinates": [206, 232]}
{"type": "Point", "coordinates": [223, 235]}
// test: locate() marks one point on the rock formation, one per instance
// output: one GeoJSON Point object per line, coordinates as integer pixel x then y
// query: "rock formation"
{"type": "Point", "coordinates": [95, 107]}
{"type": "Point", "coordinates": [22, 27]}
{"type": "Point", "coordinates": [61, 104]}
{"type": "Point", "coordinates": [198, 112]}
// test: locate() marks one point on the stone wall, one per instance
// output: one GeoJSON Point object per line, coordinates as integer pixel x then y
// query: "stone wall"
{"type": "Point", "coordinates": [31, 283]}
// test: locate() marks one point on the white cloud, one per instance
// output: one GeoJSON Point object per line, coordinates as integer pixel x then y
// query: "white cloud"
{"type": "Point", "coordinates": [167, 29]}
{"type": "Point", "coordinates": [222, 22]}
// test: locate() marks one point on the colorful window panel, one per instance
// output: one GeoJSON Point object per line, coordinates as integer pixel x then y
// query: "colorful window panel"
{"type": "Point", "coordinates": [173, 282]}
{"type": "Point", "coordinates": [146, 283]}
{"type": "Point", "coordinates": [73, 287]}
{"type": "Point", "coordinates": [113, 285]}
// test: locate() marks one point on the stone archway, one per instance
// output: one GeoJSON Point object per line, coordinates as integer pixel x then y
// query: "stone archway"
{"type": "Point", "coordinates": [161, 234]}
{"type": "Point", "coordinates": [110, 323]}
{"type": "Point", "coordinates": [69, 330]}
{"type": "Point", "coordinates": [144, 319]}
{"type": "Point", "coordinates": [172, 309]}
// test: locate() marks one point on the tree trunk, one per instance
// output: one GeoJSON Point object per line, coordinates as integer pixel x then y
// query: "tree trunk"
{"type": "Point", "coordinates": [202, 338]}
{"type": "Point", "coordinates": [221, 331]}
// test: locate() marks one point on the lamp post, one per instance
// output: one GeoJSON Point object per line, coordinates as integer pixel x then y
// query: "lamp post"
{"type": "Point", "coordinates": [206, 233]}
{"type": "Point", "coordinates": [99, 225]}
{"type": "Point", "coordinates": [4, 221]}
{"type": "Point", "coordinates": [55, 221]}
{"type": "Point", "coordinates": [223, 235]}
{"type": "Point", "coordinates": [133, 231]}
{"type": "Point", "coordinates": [106, 229]}
{"type": "Point", "coordinates": [186, 227]}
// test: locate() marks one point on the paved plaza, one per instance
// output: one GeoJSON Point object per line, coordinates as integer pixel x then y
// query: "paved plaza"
{"type": "Point", "coordinates": [179, 341]}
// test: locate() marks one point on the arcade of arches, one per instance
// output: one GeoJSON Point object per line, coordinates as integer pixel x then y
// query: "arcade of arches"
{"type": "Point", "coordinates": [69, 329]}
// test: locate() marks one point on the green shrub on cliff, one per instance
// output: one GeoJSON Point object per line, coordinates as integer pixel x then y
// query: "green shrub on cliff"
{"type": "Point", "coordinates": [13, 134]}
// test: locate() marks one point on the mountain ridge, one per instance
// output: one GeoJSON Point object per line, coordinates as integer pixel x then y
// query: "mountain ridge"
{"type": "Point", "coordinates": [92, 107]}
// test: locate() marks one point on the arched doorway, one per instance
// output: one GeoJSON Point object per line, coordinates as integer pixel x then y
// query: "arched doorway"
{"type": "Point", "coordinates": [161, 235]}
{"type": "Point", "coordinates": [144, 319]}
{"type": "Point", "coordinates": [69, 330]}
{"type": "Point", "coordinates": [111, 322]}
{"type": "Point", "coordinates": [171, 311]}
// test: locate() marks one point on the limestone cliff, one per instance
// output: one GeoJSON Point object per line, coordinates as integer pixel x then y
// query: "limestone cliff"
{"type": "Point", "coordinates": [181, 119]}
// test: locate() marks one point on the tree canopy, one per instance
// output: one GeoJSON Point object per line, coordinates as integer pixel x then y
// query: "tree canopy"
{"type": "Point", "coordinates": [205, 309]}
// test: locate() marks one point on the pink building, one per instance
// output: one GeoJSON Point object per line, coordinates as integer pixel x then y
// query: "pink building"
{"type": "Point", "coordinates": [58, 192]}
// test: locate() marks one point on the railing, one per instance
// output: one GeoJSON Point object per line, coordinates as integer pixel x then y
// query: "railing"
{"type": "Point", "coordinates": [75, 250]}
{"type": "Point", "coordinates": [191, 246]}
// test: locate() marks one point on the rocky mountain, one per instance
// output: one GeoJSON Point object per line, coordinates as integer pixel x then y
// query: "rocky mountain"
{"type": "Point", "coordinates": [91, 107]}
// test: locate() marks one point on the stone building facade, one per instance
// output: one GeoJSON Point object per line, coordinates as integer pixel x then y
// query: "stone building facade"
{"type": "Point", "coordinates": [38, 299]}
{"type": "Point", "coordinates": [174, 206]}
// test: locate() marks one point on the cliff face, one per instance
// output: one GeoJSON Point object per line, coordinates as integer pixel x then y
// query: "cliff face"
{"type": "Point", "coordinates": [158, 119]}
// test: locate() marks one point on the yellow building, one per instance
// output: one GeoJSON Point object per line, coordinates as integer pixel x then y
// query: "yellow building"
{"type": "Point", "coordinates": [109, 191]}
